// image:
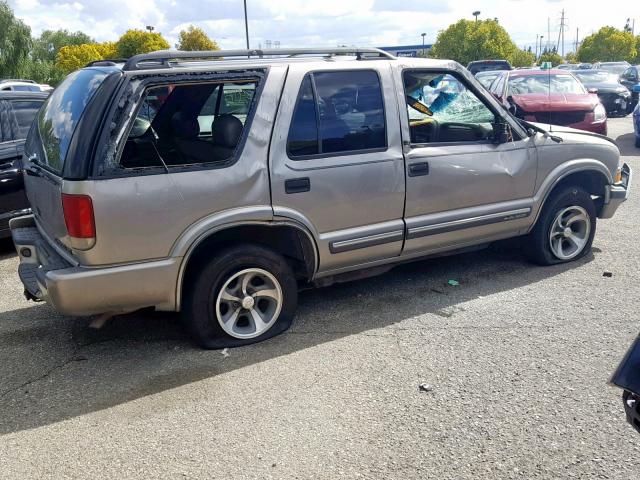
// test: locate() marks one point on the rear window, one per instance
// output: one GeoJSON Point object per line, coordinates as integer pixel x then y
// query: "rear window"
{"type": "Point", "coordinates": [60, 114]}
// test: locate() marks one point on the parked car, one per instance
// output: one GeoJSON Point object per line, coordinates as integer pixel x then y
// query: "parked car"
{"type": "Point", "coordinates": [567, 66]}
{"type": "Point", "coordinates": [487, 65]}
{"type": "Point", "coordinates": [11, 85]}
{"type": "Point", "coordinates": [308, 183]}
{"type": "Point", "coordinates": [627, 377]}
{"type": "Point", "coordinates": [616, 68]}
{"type": "Point", "coordinates": [487, 77]}
{"type": "Point", "coordinates": [631, 78]}
{"type": "Point", "coordinates": [636, 118]}
{"type": "Point", "coordinates": [615, 97]}
{"type": "Point", "coordinates": [553, 97]}
{"type": "Point", "coordinates": [17, 111]}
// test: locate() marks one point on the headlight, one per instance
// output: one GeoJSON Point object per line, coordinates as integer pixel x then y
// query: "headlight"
{"type": "Point", "coordinates": [599, 113]}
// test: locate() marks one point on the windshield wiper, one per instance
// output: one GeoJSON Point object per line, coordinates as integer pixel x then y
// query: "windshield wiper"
{"type": "Point", "coordinates": [533, 127]}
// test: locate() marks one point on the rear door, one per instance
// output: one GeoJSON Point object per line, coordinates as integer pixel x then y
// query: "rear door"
{"type": "Point", "coordinates": [48, 143]}
{"type": "Point", "coordinates": [336, 161]}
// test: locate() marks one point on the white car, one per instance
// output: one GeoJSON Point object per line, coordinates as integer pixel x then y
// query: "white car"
{"type": "Point", "coordinates": [20, 85]}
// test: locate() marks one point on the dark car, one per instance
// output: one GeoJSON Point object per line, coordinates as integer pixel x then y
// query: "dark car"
{"type": "Point", "coordinates": [613, 67]}
{"type": "Point", "coordinates": [627, 377]}
{"type": "Point", "coordinates": [486, 65]}
{"type": "Point", "coordinates": [17, 111]}
{"type": "Point", "coordinates": [550, 96]}
{"type": "Point", "coordinates": [630, 78]}
{"type": "Point", "coordinates": [615, 97]}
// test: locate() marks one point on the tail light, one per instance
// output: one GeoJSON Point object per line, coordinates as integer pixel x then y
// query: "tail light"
{"type": "Point", "coordinates": [78, 217]}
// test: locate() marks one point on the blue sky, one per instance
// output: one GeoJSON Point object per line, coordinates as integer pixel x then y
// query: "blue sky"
{"type": "Point", "coordinates": [319, 23]}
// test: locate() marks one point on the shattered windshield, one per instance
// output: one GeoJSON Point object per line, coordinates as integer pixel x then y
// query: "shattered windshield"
{"type": "Point", "coordinates": [446, 99]}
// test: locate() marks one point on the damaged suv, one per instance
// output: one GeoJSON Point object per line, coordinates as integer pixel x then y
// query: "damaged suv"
{"type": "Point", "coordinates": [216, 183]}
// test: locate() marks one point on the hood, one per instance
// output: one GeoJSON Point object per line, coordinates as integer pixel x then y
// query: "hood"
{"type": "Point", "coordinates": [569, 134]}
{"type": "Point", "coordinates": [556, 102]}
{"type": "Point", "coordinates": [603, 86]}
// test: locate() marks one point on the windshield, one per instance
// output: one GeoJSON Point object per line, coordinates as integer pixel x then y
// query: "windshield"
{"type": "Point", "coordinates": [617, 68]}
{"type": "Point", "coordinates": [595, 77]}
{"type": "Point", "coordinates": [486, 79]}
{"type": "Point", "coordinates": [553, 83]}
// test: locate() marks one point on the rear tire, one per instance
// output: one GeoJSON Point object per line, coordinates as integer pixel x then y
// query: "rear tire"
{"type": "Point", "coordinates": [565, 229]}
{"type": "Point", "coordinates": [243, 295]}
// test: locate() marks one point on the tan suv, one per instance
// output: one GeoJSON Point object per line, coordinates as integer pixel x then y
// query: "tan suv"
{"type": "Point", "coordinates": [214, 183]}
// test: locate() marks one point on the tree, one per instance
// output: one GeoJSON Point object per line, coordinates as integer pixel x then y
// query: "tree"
{"type": "Point", "coordinates": [47, 46]}
{"type": "Point", "coordinates": [133, 42]}
{"type": "Point", "coordinates": [571, 57]}
{"type": "Point", "coordinates": [74, 57]}
{"type": "Point", "coordinates": [15, 42]}
{"type": "Point", "coordinates": [607, 45]}
{"type": "Point", "coordinates": [467, 40]}
{"type": "Point", "coordinates": [551, 56]}
{"type": "Point", "coordinates": [194, 38]}
{"type": "Point", "coordinates": [522, 58]}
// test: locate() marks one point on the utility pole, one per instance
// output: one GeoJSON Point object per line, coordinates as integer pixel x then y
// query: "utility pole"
{"type": "Point", "coordinates": [537, 35]}
{"type": "Point", "coordinates": [577, 41]}
{"type": "Point", "coordinates": [561, 33]}
{"type": "Point", "coordinates": [246, 24]}
{"type": "Point", "coordinates": [548, 33]}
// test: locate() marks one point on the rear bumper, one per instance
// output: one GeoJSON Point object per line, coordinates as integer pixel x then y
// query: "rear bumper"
{"type": "Point", "coordinates": [79, 290]}
{"type": "Point", "coordinates": [617, 193]}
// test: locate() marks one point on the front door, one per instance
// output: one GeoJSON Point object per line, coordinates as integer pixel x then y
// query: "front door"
{"type": "Point", "coordinates": [336, 162]}
{"type": "Point", "coordinates": [462, 188]}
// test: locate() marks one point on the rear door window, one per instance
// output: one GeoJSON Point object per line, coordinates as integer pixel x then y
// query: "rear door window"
{"type": "Point", "coordinates": [189, 124]}
{"type": "Point", "coordinates": [343, 112]}
{"type": "Point", "coordinates": [61, 113]}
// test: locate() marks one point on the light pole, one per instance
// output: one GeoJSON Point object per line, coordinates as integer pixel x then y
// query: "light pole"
{"type": "Point", "coordinates": [423, 35]}
{"type": "Point", "coordinates": [246, 24]}
{"type": "Point", "coordinates": [475, 14]}
{"type": "Point", "coordinates": [541, 37]}
{"type": "Point", "coordinates": [151, 28]}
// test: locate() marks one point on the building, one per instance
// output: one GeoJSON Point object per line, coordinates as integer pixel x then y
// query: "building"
{"type": "Point", "coordinates": [407, 50]}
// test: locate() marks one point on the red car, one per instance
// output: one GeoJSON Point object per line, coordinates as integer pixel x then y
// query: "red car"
{"type": "Point", "coordinates": [554, 97]}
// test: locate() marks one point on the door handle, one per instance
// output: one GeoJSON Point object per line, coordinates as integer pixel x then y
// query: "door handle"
{"type": "Point", "coordinates": [419, 169]}
{"type": "Point", "coordinates": [297, 185]}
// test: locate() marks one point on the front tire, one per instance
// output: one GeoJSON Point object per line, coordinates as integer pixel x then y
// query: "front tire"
{"type": "Point", "coordinates": [565, 229]}
{"type": "Point", "coordinates": [243, 295]}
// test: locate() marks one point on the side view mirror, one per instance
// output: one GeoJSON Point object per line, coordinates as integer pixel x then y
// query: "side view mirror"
{"type": "Point", "coordinates": [139, 128]}
{"type": "Point", "coordinates": [502, 133]}
{"type": "Point", "coordinates": [592, 90]}
{"type": "Point", "coordinates": [636, 88]}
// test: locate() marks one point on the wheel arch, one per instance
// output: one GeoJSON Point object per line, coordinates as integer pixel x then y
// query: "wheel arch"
{"type": "Point", "coordinates": [592, 175]}
{"type": "Point", "coordinates": [290, 239]}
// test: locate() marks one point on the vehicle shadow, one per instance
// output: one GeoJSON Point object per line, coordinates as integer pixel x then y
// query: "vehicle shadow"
{"type": "Point", "coordinates": [54, 368]}
{"type": "Point", "coordinates": [7, 249]}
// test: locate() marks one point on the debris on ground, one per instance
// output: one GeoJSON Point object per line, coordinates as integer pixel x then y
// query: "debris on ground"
{"type": "Point", "coordinates": [453, 283]}
{"type": "Point", "coordinates": [225, 352]}
{"type": "Point", "coordinates": [425, 387]}
{"type": "Point", "coordinates": [607, 274]}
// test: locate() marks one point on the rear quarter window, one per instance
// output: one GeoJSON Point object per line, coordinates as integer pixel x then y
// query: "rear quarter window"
{"type": "Point", "coordinates": [59, 116]}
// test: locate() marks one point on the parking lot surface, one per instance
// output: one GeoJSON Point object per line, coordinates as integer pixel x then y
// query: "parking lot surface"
{"type": "Point", "coordinates": [516, 356]}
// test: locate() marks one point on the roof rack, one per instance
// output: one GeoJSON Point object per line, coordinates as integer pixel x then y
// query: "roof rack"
{"type": "Point", "coordinates": [163, 58]}
{"type": "Point", "coordinates": [107, 62]}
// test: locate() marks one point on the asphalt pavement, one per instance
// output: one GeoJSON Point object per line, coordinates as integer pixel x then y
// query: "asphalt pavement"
{"type": "Point", "coordinates": [516, 356]}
